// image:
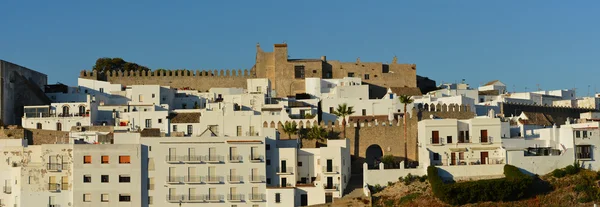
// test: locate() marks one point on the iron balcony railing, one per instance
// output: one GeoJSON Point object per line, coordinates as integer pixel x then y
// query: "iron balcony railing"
{"type": "Point", "coordinates": [176, 198]}
{"type": "Point", "coordinates": [193, 159]}
{"type": "Point", "coordinates": [213, 158]}
{"type": "Point", "coordinates": [175, 158]}
{"type": "Point", "coordinates": [235, 197]}
{"type": "Point", "coordinates": [436, 141]}
{"type": "Point", "coordinates": [256, 158]}
{"type": "Point", "coordinates": [215, 198]}
{"type": "Point", "coordinates": [214, 179]}
{"type": "Point", "coordinates": [331, 186]}
{"type": "Point", "coordinates": [175, 179]}
{"type": "Point", "coordinates": [53, 187]}
{"type": "Point", "coordinates": [235, 178]}
{"type": "Point", "coordinates": [235, 158]}
{"type": "Point", "coordinates": [57, 166]}
{"type": "Point", "coordinates": [488, 140]}
{"type": "Point", "coordinates": [256, 197]}
{"type": "Point", "coordinates": [284, 185]}
{"type": "Point", "coordinates": [194, 179]}
{"type": "Point", "coordinates": [584, 155]}
{"type": "Point", "coordinates": [53, 205]}
{"type": "Point", "coordinates": [285, 170]}
{"type": "Point", "coordinates": [7, 189]}
{"type": "Point", "coordinates": [331, 169]}
{"type": "Point", "coordinates": [195, 198]}
{"type": "Point", "coordinates": [257, 178]}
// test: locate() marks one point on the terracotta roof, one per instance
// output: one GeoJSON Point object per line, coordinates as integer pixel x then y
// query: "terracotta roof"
{"type": "Point", "coordinates": [491, 82]}
{"type": "Point", "coordinates": [184, 118]}
{"type": "Point", "coordinates": [411, 91]}
{"type": "Point", "coordinates": [535, 118]}
{"type": "Point", "coordinates": [489, 93]}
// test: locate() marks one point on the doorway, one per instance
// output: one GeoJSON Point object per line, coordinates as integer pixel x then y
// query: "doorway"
{"type": "Point", "coordinates": [484, 156]}
{"type": "Point", "coordinates": [304, 200]}
{"type": "Point", "coordinates": [453, 160]}
{"type": "Point", "coordinates": [484, 136]}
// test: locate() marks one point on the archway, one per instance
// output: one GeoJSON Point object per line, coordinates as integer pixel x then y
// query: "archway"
{"type": "Point", "coordinates": [82, 110]}
{"type": "Point", "coordinates": [58, 126]}
{"type": "Point", "coordinates": [373, 156]}
{"type": "Point", "coordinates": [65, 110]}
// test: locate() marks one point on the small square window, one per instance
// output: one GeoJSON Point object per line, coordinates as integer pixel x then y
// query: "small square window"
{"type": "Point", "coordinates": [314, 71]}
{"type": "Point", "coordinates": [268, 147]}
{"type": "Point", "coordinates": [87, 178]}
{"type": "Point", "coordinates": [104, 178]}
{"type": "Point", "coordinates": [87, 197]}
{"type": "Point", "coordinates": [160, 121]}
{"type": "Point", "coordinates": [299, 164]}
{"type": "Point", "coordinates": [105, 159]}
{"type": "Point", "coordinates": [124, 159]}
{"type": "Point", "coordinates": [124, 198]}
{"type": "Point", "coordinates": [277, 198]}
{"type": "Point", "coordinates": [87, 159]}
{"type": "Point", "coordinates": [268, 180]}
{"type": "Point", "coordinates": [153, 95]}
{"type": "Point", "coordinates": [104, 197]}
{"type": "Point", "coordinates": [268, 162]}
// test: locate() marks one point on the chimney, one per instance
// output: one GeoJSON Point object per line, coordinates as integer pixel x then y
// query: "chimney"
{"type": "Point", "coordinates": [324, 58]}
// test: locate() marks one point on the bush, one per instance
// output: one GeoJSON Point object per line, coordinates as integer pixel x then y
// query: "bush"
{"type": "Point", "coordinates": [512, 187]}
{"type": "Point", "coordinates": [410, 179]}
{"type": "Point", "coordinates": [572, 169]}
{"type": "Point", "coordinates": [409, 197]}
{"type": "Point", "coordinates": [389, 203]}
{"type": "Point", "coordinates": [390, 183]}
{"type": "Point", "coordinates": [559, 173]}
{"type": "Point", "coordinates": [423, 178]}
{"type": "Point", "coordinates": [375, 189]}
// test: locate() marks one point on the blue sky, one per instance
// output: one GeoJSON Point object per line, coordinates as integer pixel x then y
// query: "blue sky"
{"type": "Point", "coordinates": [523, 43]}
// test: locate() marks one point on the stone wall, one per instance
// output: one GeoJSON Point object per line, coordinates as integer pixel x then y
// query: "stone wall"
{"type": "Point", "coordinates": [19, 86]}
{"type": "Point", "coordinates": [198, 80]}
{"type": "Point", "coordinates": [388, 135]}
{"type": "Point", "coordinates": [40, 136]}
{"type": "Point", "coordinates": [558, 113]}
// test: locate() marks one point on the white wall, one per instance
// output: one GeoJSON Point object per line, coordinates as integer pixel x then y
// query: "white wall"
{"type": "Point", "coordinates": [540, 165]}
{"type": "Point", "coordinates": [469, 172]}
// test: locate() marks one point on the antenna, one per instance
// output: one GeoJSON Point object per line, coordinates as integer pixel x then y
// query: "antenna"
{"type": "Point", "coordinates": [538, 87]}
{"type": "Point", "coordinates": [514, 88]}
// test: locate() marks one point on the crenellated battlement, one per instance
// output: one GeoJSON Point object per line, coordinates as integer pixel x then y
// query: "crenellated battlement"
{"type": "Point", "coordinates": [170, 73]}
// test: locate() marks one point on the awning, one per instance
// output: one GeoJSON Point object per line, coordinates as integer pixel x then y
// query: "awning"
{"type": "Point", "coordinates": [485, 148]}
{"type": "Point", "coordinates": [458, 149]}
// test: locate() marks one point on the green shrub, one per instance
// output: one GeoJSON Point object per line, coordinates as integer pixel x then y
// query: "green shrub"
{"type": "Point", "coordinates": [423, 178]}
{"type": "Point", "coordinates": [559, 173]}
{"type": "Point", "coordinates": [409, 197]}
{"type": "Point", "coordinates": [410, 179]}
{"type": "Point", "coordinates": [584, 199]}
{"type": "Point", "coordinates": [571, 169]}
{"type": "Point", "coordinates": [581, 187]}
{"type": "Point", "coordinates": [375, 189]}
{"type": "Point", "coordinates": [390, 183]}
{"type": "Point", "coordinates": [512, 187]}
{"type": "Point", "coordinates": [389, 203]}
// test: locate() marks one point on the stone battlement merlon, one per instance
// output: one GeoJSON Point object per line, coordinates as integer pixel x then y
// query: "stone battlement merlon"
{"type": "Point", "coordinates": [170, 73]}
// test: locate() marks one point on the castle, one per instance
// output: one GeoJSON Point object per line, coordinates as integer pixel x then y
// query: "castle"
{"type": "Point", "coordinates": [286, 75]}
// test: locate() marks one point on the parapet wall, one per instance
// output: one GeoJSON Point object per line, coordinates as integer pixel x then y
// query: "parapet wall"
{"type": "Point", "coordinates": [201, 80]}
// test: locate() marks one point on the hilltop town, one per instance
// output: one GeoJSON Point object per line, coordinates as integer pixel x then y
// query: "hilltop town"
{"type": "Point", "coordinates": [286, 132]}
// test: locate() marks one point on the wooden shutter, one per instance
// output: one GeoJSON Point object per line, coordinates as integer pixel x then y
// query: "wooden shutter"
{"type": "Point", "coordinates": [87, 159]}
{"type": "Point", "coordinates": [105, 159]}
{"type": "Point", "coordinates": [124, 159]}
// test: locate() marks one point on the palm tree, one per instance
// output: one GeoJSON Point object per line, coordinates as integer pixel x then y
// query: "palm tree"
{"type": "Point", "coordinates": [316, 132]}
{"type": "Point", "coordinates": [342, 111]}
{"type": "Point", "coordinates": [290, 128]}
{"type": "Point", "coordinates": [405, 99]}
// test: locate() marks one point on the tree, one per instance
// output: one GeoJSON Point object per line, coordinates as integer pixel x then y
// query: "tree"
{"type": "Point", "coordinates": [342, 111]}
{"type": "Point", "coordinates": [196, 105]}
{"type": "Point", "coordinates": [117, 64]}
{"type": "Point", "coordinates": [405, 99]}
{"type": "Point", "coordinates": [290, 128]}
{"type": "Point", "coordinates": [316, 132]}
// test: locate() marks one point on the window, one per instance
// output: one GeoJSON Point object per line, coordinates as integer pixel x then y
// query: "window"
{"type": "Point", "coordinates": [584, 151]}
{"type": "Point", "coordinates": [104, 159]}
{"type": "Point", "coordinates": [364, 112]}
{"type": "Point", "coordinates": [299, 71]}
{"type": "Point", "coordinates": [148, 123]}
{"type": "Point", "coordinates": [239, 131]}
{"type": "Point", "coordinates": [104, 197]}
{"type": "Point", "coordinates": [124, 159]}
{"type": "Point", "coordinates": [366, 76]}
{"type": "Point", "coordinates": [141, 98]}
{"type": "Point", "coordinates": [124, 198]}
{"type": "Point", "coordinates": [87, 197]}
{"type": "Point", "coordinates": [578, 134]}
{"type": "Point", "coordinates": [124, 179]}
{"type": "Point", "coordinates": [436, 156]}
{"type": "Point", "coordinates": [87, 178]}
{"type": "Point", "coordinates": [314, 71]}
{"type": "Point", "coordinates": [153, 95]}
{"type": "Point", "coordinates": [461, 155]}
{"type": "Point", "coordinates": [101, 90]}
{"type": "Point", "coordinates": [268, 180]}
{"type": "Point", "coordinates": [190, 129]}
{"type": "Point", "coordinates": [87, 159]}
{"type": "Point", "coordinates": [78, 124]}
{"type": "Point", "coordinates": [38, 126]}
{"type": "Point", "coordinates": [299, 164]}
{"type": "Point", "coordinates": [481, 100]}
{"type": "Point", "coordinates": [350, 74]}
{"type": "Point", "coordinates": [258, 89]}
{"type": "Point", "coordinates": [174, 128]}
{"type": "Point", "coordinates": [268, 162]}
{"type": "Point", "coordinates": [150, 200]}
{"type": "Point", "coordinates": [331, 110]}
{"type": "Point", "coordinates": [449, 139]}
{"type": "Point", "coordinates": [585, 134]}
{"type": "Point", "coordinates": [268, 147]}
{"type": "Point", "coordinates": [160, 121]}
{"type": "Point", "coordinates": [104, 178]}
{"type": "Point", "coordinates": [277, 197]}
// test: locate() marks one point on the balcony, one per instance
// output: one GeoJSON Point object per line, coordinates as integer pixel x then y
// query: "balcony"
{"type": "Point", "coordinates": [436, 141]}
{"type": "Point", "coordinates": [256, 197]}
{"type": "Point", "coordinates": [235, 198]}
{"type": "Point", "coordinates": [214, 159]}
{"type": "Point", "coordinates": [256, 158]}
{"type": "Point", "coordinates": [286, 170]}
{"type": "Point", "coordinates": [235, 158]}
{"type": "Point", "coordinates": [176, 198]}
{"type": "Point", "coordinates": [331, 169]}
{"type": "Point", "coordinates": [235, 179]}
{"type": "Point", "coordinates": [331, 187]}
{"type": "Point", "coordinates": [54, 187]}
{"type": "Point", "coordinates": [215, 198]}
{"type": "Point", "coordinates": [257, 178]}
{"type": "Point", "coordinates": [193, 159]}
{"type": "Point", "coordinates": [7, 189]}
{"type": "Point", "coordinates": [284, 185]}
{"type": "Point", "coordinates": [194, 179]}
{"type": "Point", "coordinates": [175, 179]}
{"type": "Point", "coordinates": [214, 179]}
{"type": "Point", "coordinates": [53, 205]}
{"type": "Point", "coordinates": [173, 159]}
{"type": "Point", "coordinates": [56, 167]}
{"type": "Point", "coordinates": [486, 140]}
{"type": "Point", "coordinates": [584, 156]}
{"type": "Point", "coordinates": [199, 198]}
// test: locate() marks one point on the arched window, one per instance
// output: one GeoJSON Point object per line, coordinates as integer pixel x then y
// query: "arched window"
{"type": "Point", "coordinates": [65, 110]}
{"type": "Point", "coordinates": [78, 124]}
{"type": "Point", "coordinates": [82, 110]}
{"type": "Point", "coordinates": [38, 126]}
{"type": "Point", "coordinates": [58, 126]}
